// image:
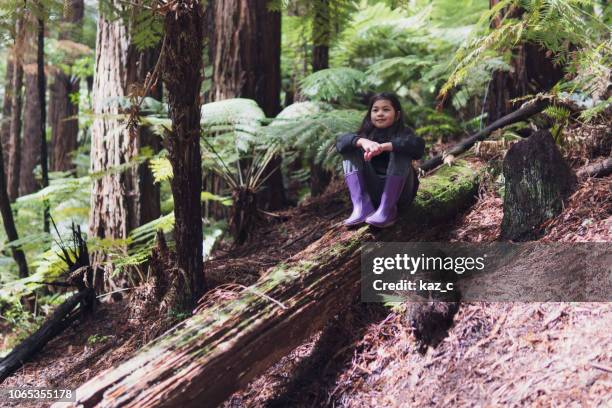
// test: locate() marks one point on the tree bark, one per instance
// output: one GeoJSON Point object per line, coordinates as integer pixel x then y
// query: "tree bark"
{"type": "Point", "coordinates": [537, 181]}
{"type": "Point", "coordinates": [118, 201]}
{"type": "Point", "coordinates": [599, 169]}
{"type": "Point", "coordinates": [533, 71]}
{"type": "Point", "coordinates": [9, 222]}
{"type": "Point", "coordinates": [5, 127]}
{"type": "Point", "coordinates": [62, 112]}
{"type": "Point", "coordinates": [14, 154]}
{"type": "Point", "coordinates": [246, 43]}
{"type": "Point", "coordinates": [144, 202]}
{"type": "Point", "coordinates": [32, 113]}
{"type": "Point", "coordinates": [206, 358]}
{"type": "Point", "coordinates": [111, 143]}
{"type": "Point", "coordinates": [182, 76]}
{"type": "Point", "coordinates": [321, 37]}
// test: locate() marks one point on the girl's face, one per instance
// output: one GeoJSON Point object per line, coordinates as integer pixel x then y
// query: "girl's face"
{"type": "Point", "coordinates": [383, 114]}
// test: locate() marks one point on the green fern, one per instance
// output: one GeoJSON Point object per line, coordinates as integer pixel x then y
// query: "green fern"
{"type": "Point", "coordinates": [588, 115]}
{"type": "Point", "coordinates": [340, 85]}
{"type": "Point", "coordinates": [560, 115]}
{"type": "Point", "coordinates": [314, 135]}
{"type": "Point", "coordinates": [558, 26]}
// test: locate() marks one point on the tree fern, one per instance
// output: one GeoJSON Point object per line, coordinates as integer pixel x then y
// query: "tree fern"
{"type": "Point", "coordinates": [339, 85]}
{"type": "Point", "coordinates": [313, 135]}
{"type": "Point", "coordinates": [561, 26]}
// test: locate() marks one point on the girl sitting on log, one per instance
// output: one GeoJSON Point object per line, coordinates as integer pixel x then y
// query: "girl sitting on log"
{"type": "Point", "coordinates": [377, 163]}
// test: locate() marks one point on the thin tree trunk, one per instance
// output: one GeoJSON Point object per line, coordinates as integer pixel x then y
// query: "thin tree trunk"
{"type": "Point", "coordinates": [42, 87]}
{"type": "Point", "coordinates": [30, 147]}
{"type": "Point", "coordinates": [9, 222]}
{"type": "Point", "coordinates": [523, 113]}
{"type": "Point", "coordinates": [14, 154]}
{"type": "Point", "coordinates": [144, 201]}
{"type": "Point", "coordinates": [62, 112]}
{"type": "Point", "coordinates": [182, 76]}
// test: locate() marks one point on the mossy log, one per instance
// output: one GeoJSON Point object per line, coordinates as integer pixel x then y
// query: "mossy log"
{"type": "Point", "coordinates": [204, 359]}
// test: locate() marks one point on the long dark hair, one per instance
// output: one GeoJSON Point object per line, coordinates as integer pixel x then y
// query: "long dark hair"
{"type": "Point", "coordinates": [367, 126]}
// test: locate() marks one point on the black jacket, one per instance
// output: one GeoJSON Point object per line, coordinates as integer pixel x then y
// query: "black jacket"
{"type": "Point", "coordinates": [404, 142]}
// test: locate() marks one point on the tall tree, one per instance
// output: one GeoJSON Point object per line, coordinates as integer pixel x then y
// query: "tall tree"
{"type": "Point", "coordinates": [321, 37]}
{"type": "Point", "coordinates": [182, 75]}
{"type": "Point", "coordinates": [117, 201]}
{"type": "Point", "coordinates": [9, 222]}
{"type": "Point", "coordinates": [14, 144]}
{"type": "Point", "coordinates": [246, 43]}
{"type": "Point", "coordinates": [30, 148]}
{"type": "Point", "coordinates": [533, 71]}
{"type": "Point", "coordinates": [62, 111]}
{"type": "Point", "coordinates": [5, 127]}
{"type": "Point", "coordinates": [42, 88]}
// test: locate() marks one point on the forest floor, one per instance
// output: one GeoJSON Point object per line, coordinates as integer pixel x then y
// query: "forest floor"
{"type": "Point", "coordinates": [495, 353]}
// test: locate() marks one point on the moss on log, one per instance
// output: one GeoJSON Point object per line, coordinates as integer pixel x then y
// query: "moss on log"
{"type": "Point", "coordinates": [203, 360]}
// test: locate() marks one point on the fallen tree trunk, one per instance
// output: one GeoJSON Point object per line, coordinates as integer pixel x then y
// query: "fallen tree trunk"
{"type": "Point", "coordinates": [523, 113]}
{"type": "Point", "coordinates": [61, 318]}
{"type": "Point", "coordinates": [203, 360]}
{"type": "Point", "coordinates": [599, 169]}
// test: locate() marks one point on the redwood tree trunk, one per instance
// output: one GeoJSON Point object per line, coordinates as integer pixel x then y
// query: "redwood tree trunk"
{"type": "Point", "coordinates": [117, 197]}
{"type": "Point", "coordinates": [14, 154]}
{"type": "Point", "coordinates": [533, 72]}
{"type": "Point", "coordinates": [247, 64]}
{"type": "Point", "coordinates": [32, 114]}
{"type": "Point", "coordinates": [62, 112]}
{"type": "Point", "coordinates": [321, 37]}
{"type": "Point", "coordinates": [5, 127]}
{"type": "Point", "coordinates": [182, 75]}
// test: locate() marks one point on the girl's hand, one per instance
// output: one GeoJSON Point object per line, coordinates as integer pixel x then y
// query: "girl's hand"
{"type": "Point", "coordinates": [367, 156]}
{"type": "Point", "coordinates": [384, 147]}
{"type": "Point", "coordinates": [371, 148]}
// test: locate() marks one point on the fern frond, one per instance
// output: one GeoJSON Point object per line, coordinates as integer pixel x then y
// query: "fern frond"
{"type": "Point", "coordinates": [334, 85]}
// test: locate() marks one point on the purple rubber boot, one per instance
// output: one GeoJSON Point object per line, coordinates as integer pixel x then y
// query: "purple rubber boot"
{"type": "Point", "coordinates": [362, 205]}
{"type": "Point", "coordinates": [387, 211]}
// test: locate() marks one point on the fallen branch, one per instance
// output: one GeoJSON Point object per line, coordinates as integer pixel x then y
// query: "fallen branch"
{"type": "Point", "coordinates": [599, 169]}
{"type": "Point", "coordinates": [204, 359]}
{"type": "Point", "coordinates": [523, 113]}
{"type": "Point", "coordinates": [61, 318]}
{"type": "Point", "coordinates": [76, 258]}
